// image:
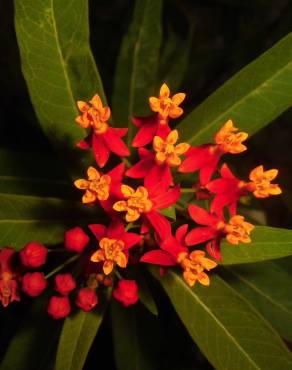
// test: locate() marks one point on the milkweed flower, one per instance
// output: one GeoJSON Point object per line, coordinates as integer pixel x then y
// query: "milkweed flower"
{"type": "Point", "coordinates": [33, 254]}
{"type": "Point", "coordinates": [102, 188]}
{"type": "Point", "coordinates": [205, 158]}
{"type": "Point", "coordinates": [9, 277]}
{"type": "Point", "coordinates": [33, 284]}
{"type": "Point", "coordinates": [76, 240]}
{"type": "Point", "coordinates": [86, 299]}
{"type": "Point", "coordinates": [103, 139]}
{"type": "Point", "coordinates": [64, 283]}
{"type": "Point", "coordinates": [114, 245]}
{"type": "Point", "coordinates": [145, 202]}
{"type": "Point", "coordinates": [59, 307]}
{"type": "Point", "coordinates": [156, 166]}
{"type": "Point", "coordinates": [165, 107]}
{"type": "Point", "coordinates": [229, 189]}
{"type": "Point", "coordinates": [215, 228]}
{"type": "Point", "coordinates": [175, 252]}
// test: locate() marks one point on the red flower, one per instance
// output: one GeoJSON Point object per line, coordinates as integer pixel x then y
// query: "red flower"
{"type": "Point", "coordinates": [33, 284]}
{"type": "Point", "coordinates": [59, 307]}
{"type": "Point", "coordinates": [103, 139]}
{"type": "Point", "coordinates": [8, 277]}
{"type": "Point", "coordinates": [205, 158]}
{"type": "Point", "coordinates": [75, 240]}
{"type": "Point", "coordinates": [33, 254]}
{"type": "Point", "coordinates": [64, 283]}
{"type": "Point", "coordinates": [146, 201]}
{"type": "Point", "coordinates": [157, 125]}
{"type": "Point", "coordinates": [174, 252]}
{"type": "Point", "coordinates": [104, 188]}
{"type": "Point", "coordinates": [215, 229]}
{"type": "Point", "coordinates": [126, 292]}
{"type": "Point", "coordinates": [86, 299]}
{"type": "Point", "coordinates": [114, 243]}
{"type": "Point", "coordinates": [155, 167]}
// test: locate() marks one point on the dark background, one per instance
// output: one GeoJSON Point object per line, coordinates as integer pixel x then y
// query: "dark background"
{"type": "Point", "coordinates": [228, 34]}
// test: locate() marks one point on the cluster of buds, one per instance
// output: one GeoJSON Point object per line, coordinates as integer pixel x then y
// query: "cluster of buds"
{"type": "Point", "coordinates": [132, 200]}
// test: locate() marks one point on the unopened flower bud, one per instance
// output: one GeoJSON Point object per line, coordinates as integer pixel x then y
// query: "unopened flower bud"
{"type": "Point", "coordinates": [33, 284]}
{"type": "Point", "coordinates": [59, 307]}
{"type": "Point", "coordinates": [126, 292]}
{"type": "Point", "coordinates": [76, 240]}
{"type": "Point", "coordinates": [86, 299]}
{"type": "Point", "coordinates": [33, 254]}
{"type": "Point", "coordinates": [64, 283]}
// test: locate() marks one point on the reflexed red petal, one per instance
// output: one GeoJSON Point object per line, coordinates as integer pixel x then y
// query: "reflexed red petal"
{"type": "Point", "coordinates": [172, 246]}
{"type": "Point", "coordinates": [115, 143]}
{"type": "Point", "coordinates": [163, 131]}
{"type": "Point", "coordinates": [100, 149]}
{"type": "Point", "coordinates": [117, 173]}
{"type": "Point", "coordinates": [98, 230]}
{"type": "Point", "coordinates": [158, 173]}
{"type": "Point", "coordinates": [141, 168]}
{"type": "Point", "coordinates": [200, 235]}
{"type": "Point", "coordinates": [141, 121]}
{"type": "Point", "coordinates": [85, 144]}
{"type": "Point", "coordinates": [213, 248]}
{"type": "Point", "coordinates": [207, 172]}
{"type": "Point", "coordinates": [145, 134]}
{"type": "Point", "coordinates": [120, 131]}
{"type": "Point", "coordinates": [226, 172]}
{"type": "Point", "coordinates": [180, 233]}
{"type": "Point", "coordinates": [201, 216]}
{"type": "Point", "coordinates": [158, 257]}
{"type": "Point", "coordinates": [222, 200]}
{"type": "Point", "coordinates": [159, 223]}
{"type": "Point", "coordinates": [219, 186]}
{"type": "Point", "coordinates": [167, 199]}
{"type": "Point", "coordinates": [195, 159]}
{"type": "Point", "coordinates": [116, 229]}
{"type": "Point", "coordinates": [131, 239]}
{"type": "Point", "coordinates": [143, 153]}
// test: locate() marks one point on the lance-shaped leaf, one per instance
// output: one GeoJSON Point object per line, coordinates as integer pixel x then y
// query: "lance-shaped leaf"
{"type": "Point", "coordinates": [33, 345]}
{"type": "Point", "coordinates": [59, 68]}
{"type": "Point", "coordinates": [25, 218]}
{"type": "Point", "coordinates": [268, 288]}
{"type": "Point", "coordinates": [228, 330]}
{"type": "Point", "coordinates": [19, 174]}
{"type": "Point", "coordinates": [135, 337]}
{"type": "Point", "coordinates": [267, 243]}
{"type": "Point", "coordinates": [137, 63]}
{"type": "Point", "coordinates": [253, 97]}
{"type": "Point", "coordinates": [77, 336]}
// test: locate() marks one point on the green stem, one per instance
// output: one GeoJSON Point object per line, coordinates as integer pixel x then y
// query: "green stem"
{"type": "Point", "coordinates": [188, 190]}
{"type": "Point", "coordinates": [118, 274]}
{"type": "Point", "coordinates": [60, 267]}
{"type": "Point", "coordinates": [57, 250]}
{"type": "Point", "coordinates": [127, 162]}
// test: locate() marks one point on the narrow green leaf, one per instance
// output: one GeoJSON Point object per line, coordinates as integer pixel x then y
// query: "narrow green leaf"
{"type": "Point", "coordinates": [135, 338]}
{"type": "Point", "coordinates": [255, 96]}
{"type": "Point", "coordinates": [145, 295]}
{"type": "Point", "coordinates": [169, 212]}
{"type": "Point", "coordinates": [268, 288]}
{"type": "Point", "coordinates": [59, 68]}
{"type": "Point", "coordinates": [26, 218]}
{"type": "Point", "coordinates": [77, 335]}
{"type": "Point", "coordinates": [267, 243]}
{"type": "Point", "coordinates": [19, 174]}
{"type": "Point", "coordinates": [230, 333]}
{"type": "Point", "coordinates": [175, 60]}
{"type": "Point", "coordinates": [34, 343]}
{"type": "Point", "coordinates": [137, 63]}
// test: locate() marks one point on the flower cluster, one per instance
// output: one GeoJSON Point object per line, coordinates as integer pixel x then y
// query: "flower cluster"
{"type": "Point", "coordinates": [133, 203]}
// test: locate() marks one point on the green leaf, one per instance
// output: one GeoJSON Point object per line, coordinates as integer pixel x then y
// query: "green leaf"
{"type": "Point", "coordinates": [135, 337]}
{"type": "Point", "coordinates": [26, 218]}
{"type": "Point", "coordinates": [169, 212]}
{"type": "Point", "coordinates": [145, 295]}
{"type": "Point", "coordinates": [137, 63]}
{"type": "Point", "coordinates": [77, 336]}
{"type": "Point", "coordinates": [268, 288]}
{"type": "Point", "coordinates": [227, 329]}
{"type": "Point", "coordinates": [59, 69]}
{"type": "Point", "coordinates": [33, 345]}
{"type": "Point", "coordinates": [255, 96]}
{"type": "Point", "coordinates": [267, 243]}
{"type": "Point", "coordinates": [175, 60]}
{"type": "Point", "coordinates": [19, 174]}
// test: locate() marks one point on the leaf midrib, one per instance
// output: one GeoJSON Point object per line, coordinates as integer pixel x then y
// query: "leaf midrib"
{"type": "Point", "coordinates": [206, 128]}
{"type": "Point", "coordinates": [260, 292]}
{"type": "Point", "coordinates": [219, 324]}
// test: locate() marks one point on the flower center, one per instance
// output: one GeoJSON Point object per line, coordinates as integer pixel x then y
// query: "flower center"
{"type": "Point", "coordinates": [229, 140]}
{"type": "Point", "coordinates": [238, 230]}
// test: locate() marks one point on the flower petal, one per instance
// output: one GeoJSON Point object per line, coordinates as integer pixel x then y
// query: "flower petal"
{"type": "Point", "coordinates": [200, 235]}
{"type": "Point", "coordinates": [201, 216]}
{"type": "Point", "coordinates": [145, 134]}
{"type": "Point", "coordinates": [98, 230]}
{"type": "Point", "coordinates": [158, 257]}
{"type": "Point", "coordinates": [100, 149]}
{"type": "Point", "coordinates": [115, 143]}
